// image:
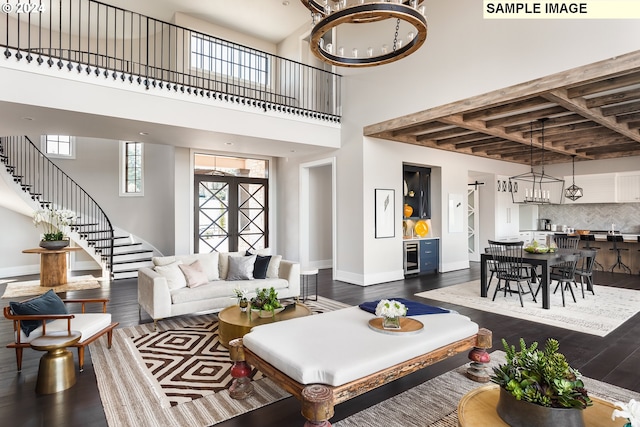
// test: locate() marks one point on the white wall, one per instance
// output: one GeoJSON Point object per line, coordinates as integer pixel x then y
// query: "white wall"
{"type": "Point", "coordinates": [463, 56]}
{"type": "Point", "coordinates": [320, 211]}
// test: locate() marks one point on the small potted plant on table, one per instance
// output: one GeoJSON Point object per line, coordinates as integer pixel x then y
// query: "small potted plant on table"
{"type": "Point", "coordinates": [538, 388]}
{"type": "Point", "coordinates": [266, 302]}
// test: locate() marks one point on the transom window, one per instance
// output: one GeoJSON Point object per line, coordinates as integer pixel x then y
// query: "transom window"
{"type": "Point", "coordinates": [228, 59]}
{"type": "Point", "coordinates": [131, 170]}
{"type": "Point", "coordinates": [61, 146]}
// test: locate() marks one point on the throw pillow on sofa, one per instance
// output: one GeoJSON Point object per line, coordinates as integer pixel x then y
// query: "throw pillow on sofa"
{"type": "Point", "coordinates": [47, 303]}
{"type": "Point", "coordinates": [173, 274]}
{"type": "Point", "coordinates": [194, 274]}
{"type": "Point", "coordinates": [241, 267]}
{"type": "Point", "coordinates": [273, 272]}
{"type": "Point", "coordinates": [261, 266]}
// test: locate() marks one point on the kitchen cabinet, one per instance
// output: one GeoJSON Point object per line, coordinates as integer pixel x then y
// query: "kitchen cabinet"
{"type": "Point", "coordinates": [597, 188]}
{"type": "Point", "coordinates": [525, 236]}
{"type": "Point", "coordinates": [429, 255]}
{"type": "Point", "coordinates": [417, 190]}
{"type": "Point", "coordinates": [628, 187]}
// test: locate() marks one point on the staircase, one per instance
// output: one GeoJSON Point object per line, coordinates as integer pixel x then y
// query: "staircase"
{"type": "Point", "coordinates": [47, 186]}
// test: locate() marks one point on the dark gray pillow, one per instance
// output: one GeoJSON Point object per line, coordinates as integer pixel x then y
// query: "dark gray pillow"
{"type": "Point", "coordinates": [241, 267]}
{"type": "Point", "coordinates": [261, 266]}
{"type": "Point", "coordinates": [47, 303]}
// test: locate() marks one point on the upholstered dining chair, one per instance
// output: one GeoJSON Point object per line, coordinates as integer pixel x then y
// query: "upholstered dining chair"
{"type": "Point", "coordinates": [510, 268]}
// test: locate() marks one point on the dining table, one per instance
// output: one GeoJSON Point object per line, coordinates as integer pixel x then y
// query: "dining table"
{"type": "Point", "coordinates": [545, 261]}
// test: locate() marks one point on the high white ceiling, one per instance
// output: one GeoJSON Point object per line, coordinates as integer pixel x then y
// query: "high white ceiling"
{"type": "Point", "coordinates": [271, 20]}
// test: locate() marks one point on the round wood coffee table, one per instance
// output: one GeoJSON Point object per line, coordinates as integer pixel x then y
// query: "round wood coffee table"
{"type": "Point", "coordinates": [233, 323]}
{"type": "Point", "coordinates": [478, 409]}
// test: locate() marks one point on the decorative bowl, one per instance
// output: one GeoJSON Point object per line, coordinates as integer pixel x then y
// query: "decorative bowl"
{"type": "Point", "coordinates": [267, 313]}
{"type": "Point", "coordinates": [536, 249]}
{"type": "Point", "coordinates": [421, 228]}
{"type": "Point", "coordinates": [582, 232]}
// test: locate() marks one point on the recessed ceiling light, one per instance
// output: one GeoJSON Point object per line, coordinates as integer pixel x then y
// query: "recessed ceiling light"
{"type": "Point", "coordinates": [292, 151]}
{"type": "Point", "coordinates": [285, 3]}
{"type": "Point", "coordinates": [228, 143]}
{"type": "Point", "coordinates": [143, 133]}
{"type": "Point", "coordinates": [27, 118]}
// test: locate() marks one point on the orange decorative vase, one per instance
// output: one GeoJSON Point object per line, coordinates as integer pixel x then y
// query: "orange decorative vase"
{"type": "Point", "coordinates": [408, 210]}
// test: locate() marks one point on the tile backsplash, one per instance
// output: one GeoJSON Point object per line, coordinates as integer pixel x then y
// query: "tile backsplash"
{"type": "Point", "coordinates": [596, 216]}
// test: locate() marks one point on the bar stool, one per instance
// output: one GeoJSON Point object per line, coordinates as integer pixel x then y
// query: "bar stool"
{"type": "Point", "coordinates": [588, 238]}
{"type": "Point", "coordinates": [615, 238]}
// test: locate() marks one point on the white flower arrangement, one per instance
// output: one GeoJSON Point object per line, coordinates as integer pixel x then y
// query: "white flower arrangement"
{"type": "Point", "coordinates": [630, 411]}
{"type": "Point", "coordinates": [54, 222]}
{"type": "Point", "coordinates": [390, 308]}
{"type": "Point", "coordinates": [240, 293]}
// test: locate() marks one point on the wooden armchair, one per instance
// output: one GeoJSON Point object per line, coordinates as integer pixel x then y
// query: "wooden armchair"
{"type": "Point", "coordinates": [91, 325]}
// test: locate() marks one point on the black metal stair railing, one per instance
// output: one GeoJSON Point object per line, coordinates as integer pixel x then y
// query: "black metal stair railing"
{"type": "Point", "coordinates": [96, 39]}
{"type": "Point", "coordinates": [52, 188]}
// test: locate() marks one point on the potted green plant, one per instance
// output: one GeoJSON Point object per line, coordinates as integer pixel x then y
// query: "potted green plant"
{"type": "Point", "coordinates": [266, 301]}
{"type": "Point", "coordinates": [538, 388]}
{"type": "Point", "coordinates": [241, 296]}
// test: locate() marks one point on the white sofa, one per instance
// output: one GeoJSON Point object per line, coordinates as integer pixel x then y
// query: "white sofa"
{"type": "Point", "coordinates": [163, 291]}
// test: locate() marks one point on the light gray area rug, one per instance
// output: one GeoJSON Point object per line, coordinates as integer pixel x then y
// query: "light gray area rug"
{"type": "Point", "coordinates": [32, 287]}
{"type": "Point", "coordinates": [138, 390]}
{"type": "Point", "coordinates": [597, 314]}
{"type": "Point", "coordinates": [434, 403]}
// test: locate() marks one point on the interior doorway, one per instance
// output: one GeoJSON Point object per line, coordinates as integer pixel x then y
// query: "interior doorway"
{"type": "Point", "coordinates": [318, 215]}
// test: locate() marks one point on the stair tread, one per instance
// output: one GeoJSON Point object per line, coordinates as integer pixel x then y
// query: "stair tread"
{"type": "Point", "coordinates": [119, 245]}
{"type": "Point", "coordinates": [142, 251]}
{"type": "Point", "coordinates": [131, 261]}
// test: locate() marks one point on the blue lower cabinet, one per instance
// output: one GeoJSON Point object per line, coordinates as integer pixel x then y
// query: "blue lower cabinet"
{"type": "Point", "coordinates": [429, 255]}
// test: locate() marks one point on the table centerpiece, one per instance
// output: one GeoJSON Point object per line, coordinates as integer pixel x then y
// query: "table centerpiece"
{"type": "Point", "coordinates": [391, 311]}
{"type": "Point", "coordinates": [55, 223]}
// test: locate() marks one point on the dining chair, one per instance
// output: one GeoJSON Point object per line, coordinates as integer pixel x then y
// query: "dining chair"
{"type": "Point", "coordinates": [564, 241]}
{"type": "Point", "coordinates": [584, 269]}
{"type": "Point", "coordinates": [565, 275]}
{"type": "Point", "coordinates": [510, 268]}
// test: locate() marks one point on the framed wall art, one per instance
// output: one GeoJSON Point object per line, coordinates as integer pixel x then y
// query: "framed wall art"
{"type": "Point", "coordinates": [385, 213]}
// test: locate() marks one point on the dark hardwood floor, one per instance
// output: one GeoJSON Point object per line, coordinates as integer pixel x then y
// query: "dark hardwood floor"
{"type": "Point", "coordinates": [613, 359]}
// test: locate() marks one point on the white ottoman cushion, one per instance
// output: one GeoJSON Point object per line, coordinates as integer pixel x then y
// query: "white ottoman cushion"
{"type": "Point", "coordinates": [338, 347]}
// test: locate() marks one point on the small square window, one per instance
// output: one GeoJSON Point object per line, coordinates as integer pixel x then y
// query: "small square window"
{"type": "Point", "coordinates": [59, 146]}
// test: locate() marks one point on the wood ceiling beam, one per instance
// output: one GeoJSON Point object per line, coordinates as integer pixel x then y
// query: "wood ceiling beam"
{"type": "Point", "coordinates": [472, 138]}
{"type": "Point", "coordinates": [613, 98]}
{"type": "Point", "coordinates": [570, 118]}
{"type": "Point", "coordinates": [604, 85]}
{"type": "Point", "coordinates": [525, 117]}
{"type": "Point", "coordinates": [625, 118]}
{"type": "Point", "coordinates": [578, 105]}
{"type": "Point", "coordinates": [484, 147]}
{"type": "Point", "coordinates": [417, 129]}
{"type": "Point", "coordinates": [453, 131]}
{"type": "Point", "coordinates": [478, 125]}
{"type": "Point", "coordinates": [523, 104]}
{"type": "Point", "coordinates": [609, 68]}
{"type": "Point", "coordinates": [616, 110]}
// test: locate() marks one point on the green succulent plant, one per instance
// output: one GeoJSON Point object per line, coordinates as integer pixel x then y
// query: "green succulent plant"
{"type": "Point", "coordinates": [266, 299]}
{"type": "Point", "coordinates": [542, 376]}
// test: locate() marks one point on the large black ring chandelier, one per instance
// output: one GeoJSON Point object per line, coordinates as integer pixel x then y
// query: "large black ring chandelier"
{"type": "Point", "coordinates": [329, 14]}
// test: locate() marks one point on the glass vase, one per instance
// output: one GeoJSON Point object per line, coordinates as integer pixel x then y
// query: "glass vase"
{"type": "Point", "coordinates": [391, 322]}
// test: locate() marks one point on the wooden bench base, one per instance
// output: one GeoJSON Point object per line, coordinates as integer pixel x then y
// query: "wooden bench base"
{"type": "Point", "coordinates": [318, 400]}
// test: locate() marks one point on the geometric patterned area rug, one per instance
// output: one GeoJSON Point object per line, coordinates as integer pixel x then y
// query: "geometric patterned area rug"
{"type": "Point", "coordinates": [32, 287]}
{"type": "Point", "coordinates": [178, 375]}
{"type": "Point", "coordinates": [434, 403]}
{"type": "Point", "coordinates": [597, 314]}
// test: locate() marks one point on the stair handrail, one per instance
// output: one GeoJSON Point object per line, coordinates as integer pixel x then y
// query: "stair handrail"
{"type": "Point", "coordinates": [52, 188]}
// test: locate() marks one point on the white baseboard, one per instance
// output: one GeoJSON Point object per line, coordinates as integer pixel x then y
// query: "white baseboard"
{"type": "Point", "coordinates": [453, 266]}
{"type": "Point", "coordinates": [371, 279]}
{"type": "Point", "coordinates": [21, 270]}
{"type": "Point", "coordinates": [320, 264]}
{"type": "Point", "coordinates": [84, 265]}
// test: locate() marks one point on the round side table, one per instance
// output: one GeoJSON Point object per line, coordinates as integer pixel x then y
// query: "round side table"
{"type": "Point", "coordinates": [305, 279]}
{"type": "Point", "coordinates": [56, 371]}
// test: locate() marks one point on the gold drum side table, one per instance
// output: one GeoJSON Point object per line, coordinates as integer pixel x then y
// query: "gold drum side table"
{"type": "Point", "coordinates": [56, 371]}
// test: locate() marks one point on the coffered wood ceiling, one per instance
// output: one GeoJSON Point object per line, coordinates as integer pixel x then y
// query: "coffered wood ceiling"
{"type": "Point", "coordinates": [593, 112]}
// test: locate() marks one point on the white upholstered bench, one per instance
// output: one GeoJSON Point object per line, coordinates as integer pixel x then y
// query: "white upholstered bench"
{"type": "Point", "coordinates": [329, 358]}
